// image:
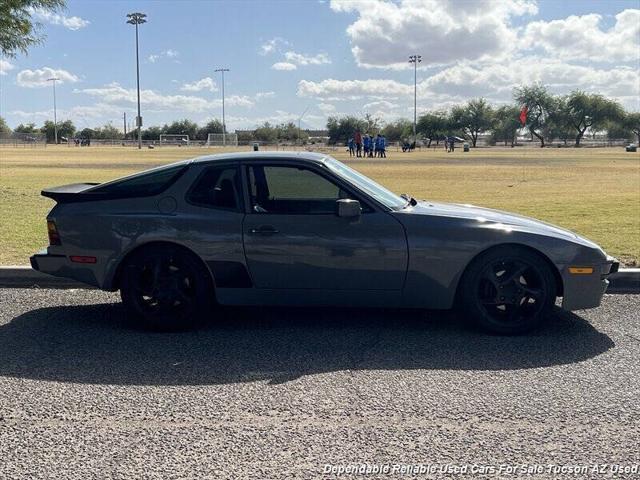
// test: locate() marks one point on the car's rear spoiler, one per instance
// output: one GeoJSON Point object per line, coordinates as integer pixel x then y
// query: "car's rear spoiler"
{"type": "Point", "coordinates": [68, 193]}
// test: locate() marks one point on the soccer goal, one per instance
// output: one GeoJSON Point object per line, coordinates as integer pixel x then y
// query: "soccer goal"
{"type": "Point", "coordinates": [222, 140]}
{"type": "Point", "coordinates": [173, 139]}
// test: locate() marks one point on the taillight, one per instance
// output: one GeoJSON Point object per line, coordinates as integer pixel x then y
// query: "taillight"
{"type": "Point", "coordinates": [54, 237]}
{"type": "Point", "coordinates": [82, 259]}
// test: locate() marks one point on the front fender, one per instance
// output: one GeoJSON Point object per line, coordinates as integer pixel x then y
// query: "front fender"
{"type": "Point", "coordinates": [441, 248]}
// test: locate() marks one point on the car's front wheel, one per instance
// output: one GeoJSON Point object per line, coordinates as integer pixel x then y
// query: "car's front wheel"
{"type": "Point", "coordinates": [166, 288]}
{"type": "Point", "coordinates": [508, 290]}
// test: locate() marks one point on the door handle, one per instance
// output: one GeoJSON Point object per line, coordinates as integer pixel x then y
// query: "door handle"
{"type": "Point", "coordinates": [263, 230]}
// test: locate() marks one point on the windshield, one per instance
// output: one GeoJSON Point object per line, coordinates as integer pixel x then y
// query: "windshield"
{"type": "Point", "coordinates": [381, 194]}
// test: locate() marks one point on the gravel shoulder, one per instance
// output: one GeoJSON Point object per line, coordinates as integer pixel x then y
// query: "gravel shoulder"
{"type": "Point", "coordinates": [280, 393]}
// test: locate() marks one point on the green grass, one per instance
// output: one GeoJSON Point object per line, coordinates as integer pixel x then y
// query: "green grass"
{"type": "Point", "coordinates": [595, 192]}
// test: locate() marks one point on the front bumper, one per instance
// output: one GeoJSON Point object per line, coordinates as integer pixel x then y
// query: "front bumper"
{"type": "Point", "coordinates": [586, 291]}
{"type": "Point", "coordinates": [61, 266]}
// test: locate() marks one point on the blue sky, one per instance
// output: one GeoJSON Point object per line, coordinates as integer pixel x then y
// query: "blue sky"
{"type": "Point", "coordinates": [327, 57]}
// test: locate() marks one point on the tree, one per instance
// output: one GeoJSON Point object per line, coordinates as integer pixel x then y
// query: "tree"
{"type": "Point", "coordinates": [290, 132]}
{"type": "Point", "coordinates": [560, 124]}
{"type": "Point", "coordinates": [87, 133]}
{"type": "Point", "coordinates": [182, 127]}
{"type": "Point", "coordinates": [506, 124]}
{"type": "Point", "coordinates": [433, 126]}
{"type": "Point", "coordinates": [540, 109]}
{"type": "Point", "coordinates": [66, 129]}
{"type": "Point", "coordinates": [28, 128]}
{"type": "Point", "coordinates": [617, 130]}
{"type": "Point", "coordinates": [398, 130]}
{"type": "Point", "coordinates": [371, 124]}
{"type": "Point", "coordinates": [151, 133]}
{"type": "Point", "coordinates": [4, 128]}
{"type": "Point", "coordinates": [632, 122]}
{"type": "Point", "coordinates": [245, 136]}
{"type": "Point", "coordinates": [266, 133]}
{"type": "Point", "coordinates": [474, 117]}
{"type": "Point", "coordinates": [107, 132]}
{"type": "Point", "coordinates": [213, 126]}
{"type": "Point", "coordinates": [18, 30]}
{"type": "Point", "coordinates": [341, 129]}
{"type": "Point", "coordinates": [584, 111]}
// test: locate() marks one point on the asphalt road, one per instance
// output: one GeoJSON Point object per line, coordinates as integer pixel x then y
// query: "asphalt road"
{"type": "Point", "coordinates": [277, 393]}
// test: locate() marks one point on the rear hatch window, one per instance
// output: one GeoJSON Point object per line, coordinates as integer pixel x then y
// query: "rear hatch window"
{"type": "Point", "coordinates": [148, 183]}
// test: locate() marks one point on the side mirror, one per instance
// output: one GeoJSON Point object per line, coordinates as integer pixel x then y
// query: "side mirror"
{"type": "Point", "coordinates": [348, 208]}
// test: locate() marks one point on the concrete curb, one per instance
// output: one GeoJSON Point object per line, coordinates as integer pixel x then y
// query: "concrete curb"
{"type": "Point", "coordinates": [625, 281]}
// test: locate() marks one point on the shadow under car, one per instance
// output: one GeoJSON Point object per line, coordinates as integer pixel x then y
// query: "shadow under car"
{"type": "Point", "coordinates": [96, 344]}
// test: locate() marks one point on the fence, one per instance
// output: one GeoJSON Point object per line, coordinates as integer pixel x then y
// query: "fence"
{"type": "Point", "coordinates": [23, 139]}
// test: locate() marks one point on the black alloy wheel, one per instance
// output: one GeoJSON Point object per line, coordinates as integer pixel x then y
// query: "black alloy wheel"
{"type": "Point", "coordinates": [508, 291]}
{"type": "Point", "coordinates": [167, 289]}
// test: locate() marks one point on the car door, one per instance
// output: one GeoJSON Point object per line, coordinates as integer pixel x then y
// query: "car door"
{"type": "Point", "coordinates": [293, 238]}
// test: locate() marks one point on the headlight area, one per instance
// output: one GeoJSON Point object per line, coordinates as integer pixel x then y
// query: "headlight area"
{"type": "Point", "coordinates": [584, 285]}
{"type": "Point", "coordinates": [612, 265]}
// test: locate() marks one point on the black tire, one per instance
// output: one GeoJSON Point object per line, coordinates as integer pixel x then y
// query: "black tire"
{"type": "Point", "coordinates": [166, 288]}
{"type": "Point", "coordinates": [507, 290]}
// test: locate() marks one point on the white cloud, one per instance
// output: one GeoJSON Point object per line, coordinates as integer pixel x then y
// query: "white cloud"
{"type": "Point", "coordinates": [352, 88]}
{"type": "Point", "coordinates": [38, 78]}
{"type": "Point", "coordinates": [385, 32]}
{"type": "Point", "coordinates": [498, 80]}
{"type": "Point", "coordinates": [271, 46]}
{"type": "Point", "coordinates": [495, 81]}
{"type": "Point", "coordinates": [277, 117]}
{"type": "Point", "coordinates": [304, 59]}
{"type": "Point", "coordinates": [114, 93]}
{"type": "Point", "coordinates": [262, 95]}
{"type": "Point", "coordinates": [5, 66]}
{"type": "Point", "coordinates": [283, 66]}
{"type": "Point", "coordinates": [379, 105]}
{"type": "Point", "coordinates": [581, 37]}
{"type": "Point", "coordinates": [82, 112]}
{"type": "Point", "coordinates": [239, 101]}
{"type": "Point", "coordinates": [71, 23]}
{"type": "Point", "coordinates": [153, 58]}
{"type": "Point", "coordinates": [206, 83]}
{"type": "Point", "coordinates": [327, 108]}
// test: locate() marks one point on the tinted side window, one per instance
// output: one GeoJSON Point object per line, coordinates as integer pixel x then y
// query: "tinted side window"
{"type": "Point", "coordinates": [292, 190]}
{"type": "Point", "coordinates": [216, 188]}
{"type": "Point", "coordinates": [144, 184]}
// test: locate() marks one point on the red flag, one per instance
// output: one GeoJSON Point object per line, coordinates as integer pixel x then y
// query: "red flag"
{"type": "Point", "coordinates": [523, 115]}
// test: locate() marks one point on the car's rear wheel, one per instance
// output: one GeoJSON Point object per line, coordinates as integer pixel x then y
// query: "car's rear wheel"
{"type": "Point", "coordinates": [508, 290]}
{"type": "Point", "coordinates": [166, 288]}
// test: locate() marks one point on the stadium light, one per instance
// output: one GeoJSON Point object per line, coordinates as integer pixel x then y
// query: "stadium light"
{"type": "Point", "coordinates": [415, 59]}
{"type": "Point", "coordinates": [224, 125]}
{"type": "Point", "coordinates": [55, 115]}
{"type": "Point", "coordinates": [136, 19]}
{"type": "Point", "coordinates": [299, 124]}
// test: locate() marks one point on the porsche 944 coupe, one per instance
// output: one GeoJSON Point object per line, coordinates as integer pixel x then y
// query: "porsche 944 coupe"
{"type": "Point", "coordinates": [304, 229]}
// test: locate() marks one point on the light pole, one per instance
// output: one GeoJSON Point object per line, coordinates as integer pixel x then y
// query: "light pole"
{"type": "Point", "coordinates": [224, 125]}
{"type": "Point", "coordinates": [299, 124]}
{"type": "Point", "coordinates": [415, 59]}
{"type": "Point", "coordinates": [136, 19]}
{"type": "Point", "coordinates": [55, 115]}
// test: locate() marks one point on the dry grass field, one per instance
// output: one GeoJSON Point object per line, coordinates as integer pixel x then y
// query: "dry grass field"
{"type": "Point", "coordinates": [595, 192]}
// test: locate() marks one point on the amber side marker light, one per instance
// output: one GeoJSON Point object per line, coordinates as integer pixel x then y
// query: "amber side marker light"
{"type": "Point", "coordinates": [82, 259]}
{"type": "Point", "coordinates": [581, 270]}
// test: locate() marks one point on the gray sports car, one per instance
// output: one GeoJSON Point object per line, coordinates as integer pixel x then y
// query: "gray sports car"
{"type": "Point", "coordinates": [304, 229]}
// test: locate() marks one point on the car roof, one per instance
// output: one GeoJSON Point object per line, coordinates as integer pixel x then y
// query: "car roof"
{"type": "Point", "coordinates": [304, 156]}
